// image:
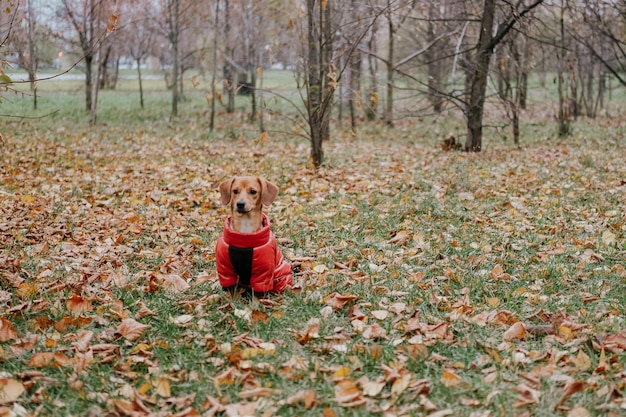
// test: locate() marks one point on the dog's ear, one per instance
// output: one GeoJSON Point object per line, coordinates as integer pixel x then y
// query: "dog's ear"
{"type": "Point", "coordinates": [225, 190]}
{"type": "Point", "coordinates": [269, 192]}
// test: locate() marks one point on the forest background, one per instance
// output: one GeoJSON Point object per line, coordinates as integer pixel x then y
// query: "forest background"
{"type": "Point", "coordinates": [429, 281]}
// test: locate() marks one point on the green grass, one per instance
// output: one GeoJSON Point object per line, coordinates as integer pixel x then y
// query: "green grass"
{"type": "Point", "coordinates": [106, 212]}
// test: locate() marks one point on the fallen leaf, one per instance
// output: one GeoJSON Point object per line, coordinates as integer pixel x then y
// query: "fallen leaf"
{"type": "Point", "coordinates": [570, 389]}
{"type": "Point", "coordinates": [516, 332]}
{"type": "Point", "coordinates": [7, 332]}
{"type": "Point", "coordinates": [259, 392]}
{"type": "Point", "coordinates": [78, 305]}
{"type": "Point", "coordinates": [161, 386]}
{"type": "Point", "coordinates": [48, 360]}
{"type": "Point", "coordinates": [338, 301]}
{"type": "Point", "coordinates": [172, 282]}
{"type": "Point", "coordinates": [579, 412]}
{"type": "Point", "coordinates": [182, 319]}
{"type": "Point", "coordinates": [10, 390]}
{"type": "Point", "coordinates": [374, 331]}
{"type": "Point", "coordinates": [307, 397]}
{"type": "Point", "coordinates": [371, 388]}
{"type": "Point", "coordinates": [450, 379]}
{"type": "Point", "coordinates": [348, 394]}
{"type": "Point", "coordinates": [582, 360]}
{"type": "Point", "coordinates": [130, 329]}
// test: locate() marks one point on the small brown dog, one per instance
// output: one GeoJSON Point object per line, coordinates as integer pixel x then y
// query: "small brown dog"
{"type": "Point", "coordinates": [246, 196]}
{"type": "Point", "coordinates": [247, 253]}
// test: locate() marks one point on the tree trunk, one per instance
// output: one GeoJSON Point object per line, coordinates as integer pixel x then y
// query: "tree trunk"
{"type": "Point", "coordinates": [564, 119]}
{"type": "Point", "coordinates": [230, 75]}
{"type": "Point", "coordinates": [371, 111]}
{"type": "Point", "coordinates": [433, 58]}
{"type": "Point", "coordinates": [315, 83]}
{"type": "Point", "coordinates": [214, 70]}
{"type": "Point", "coordinates": [140, 82]}
{"type": "Point", "coordinates": [478, 84]}
{"type": "Point", "coordinates": [88, 80]}
{"type": "Point", "coordinates": [355, 87]}
{"type": "Point", "coordinates": [326, 52]}
{"type": "Point", "coordinates": [175, 53]}
{"type": "Point", "coordinates": [390, 73]}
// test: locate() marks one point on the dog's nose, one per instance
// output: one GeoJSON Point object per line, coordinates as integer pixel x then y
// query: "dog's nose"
{"type": "Point", "coordinates": [241, 205]}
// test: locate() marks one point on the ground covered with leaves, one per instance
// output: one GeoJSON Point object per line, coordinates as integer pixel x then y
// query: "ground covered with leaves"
{"type": "Point", "coordinates": [427, 283]}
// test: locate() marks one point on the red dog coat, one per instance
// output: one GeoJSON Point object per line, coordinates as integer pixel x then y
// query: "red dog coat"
{"type": "Point", "coordinates": [252, 259]}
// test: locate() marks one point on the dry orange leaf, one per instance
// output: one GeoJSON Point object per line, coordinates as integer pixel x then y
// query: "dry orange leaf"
{"type": "Point", "coordinates": [339, 301]}
{"type": "Point", "coordinates": [374, 331]}
{"type": "Point", "coordinates": [48, 360]}
{"type": "Point", "coordinates": [307, 397]}
{"type": "Point", "coordinates": [78, 305]}
{"type": "Point", "coordinates": [328, 412]}
{"type": "Point", "coordinates": [516, 332]}
{"type": "Point", "coordinates": [130, 329]}
{"type": "Point", "coordinates": [260, 316]}
{"type": "Point", "coordinates": [450, 379]}
{"type": "Point", "coordinates": [347, 391]}
{"type": "Point", "coordinates": [10, 390]}
{"type": "Point", "coordinates": [571, 389]}
{"type": "Point", "coordinates": [7, 332]}
{"type": "Point", "coordinates": [27, 290]}
{"type": "Point", "coordinates": [173, 282]}
{"type": "Point", "coordinates": [400, 384]}
{"type": "Point", "coordinates": [259, 392]}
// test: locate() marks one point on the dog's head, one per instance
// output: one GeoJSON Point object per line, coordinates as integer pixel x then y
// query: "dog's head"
{"type": "Point", "coordinates": [247, 194]}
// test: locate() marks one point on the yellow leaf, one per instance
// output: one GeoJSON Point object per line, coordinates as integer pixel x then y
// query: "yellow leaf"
{"type": "Point", "coordinates": [162, 387]}
{"type": "Point", "coordinates": [566, 332]}
{"type": "Point", "coordinates": [450, 379]}
{"type": "Point", "coordinates": [400, 384]}
{"type": "Point", "coordinates": [341, 372]}
{"type": "Point", "coordinates": [28, 199]}
{"type": "Point", "coordinates": [493, 302]}
{"type": "Point", "coordinates": [144, 388]}
{"type": "Point", "coordinates": [27, 290]}
{"type": "Point", "coordinates": [582, 360]}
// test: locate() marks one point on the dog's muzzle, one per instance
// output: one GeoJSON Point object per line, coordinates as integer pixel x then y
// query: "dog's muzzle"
{"type": "Point", "coordinates": [241, 207]}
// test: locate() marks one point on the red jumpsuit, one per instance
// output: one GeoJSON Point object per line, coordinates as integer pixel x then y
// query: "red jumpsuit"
{"type": "Point", "coordinates": [252, 260]}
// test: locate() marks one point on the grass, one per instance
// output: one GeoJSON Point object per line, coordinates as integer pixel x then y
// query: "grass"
{"type": "Point", "coordinates": [439, 252]}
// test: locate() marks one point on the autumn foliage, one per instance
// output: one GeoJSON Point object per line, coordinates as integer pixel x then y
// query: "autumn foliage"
{"type": "Point", "coordinates": [427, 282]}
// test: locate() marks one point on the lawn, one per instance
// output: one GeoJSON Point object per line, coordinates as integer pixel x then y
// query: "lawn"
{"type": "Point", "coordinates": [427, 283]}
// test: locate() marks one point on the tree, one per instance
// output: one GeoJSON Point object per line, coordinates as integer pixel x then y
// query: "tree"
{"type": "Point", "coordinates": [27, 37]}
{"type": "Point", "coordinates": [172, 34]}
{"type": "Point", "coordinates": [140, 37]}
{"type": "Point", "coordinates": [318, 99]}
{"type": "Point", "coordinates": [89, 23]}
{"type": "Point", "coordinates": [487, 41]}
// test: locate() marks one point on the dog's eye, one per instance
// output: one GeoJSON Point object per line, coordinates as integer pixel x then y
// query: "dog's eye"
{"type": "Point", "coordinates": [235, 191]}
{"type": "Point", "coordinates": [252, 192]}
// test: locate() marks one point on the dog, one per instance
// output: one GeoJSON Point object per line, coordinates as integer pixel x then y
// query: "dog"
{"type": "Point", "coordinates": [247, 253]}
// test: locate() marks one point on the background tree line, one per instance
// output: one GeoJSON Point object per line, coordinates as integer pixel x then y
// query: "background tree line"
{"type": "Point", "coordinates": [365, 60]}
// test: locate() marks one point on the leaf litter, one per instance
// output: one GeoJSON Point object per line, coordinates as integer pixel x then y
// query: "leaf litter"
{"type": "Point", "coordinates": [428, 282]}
